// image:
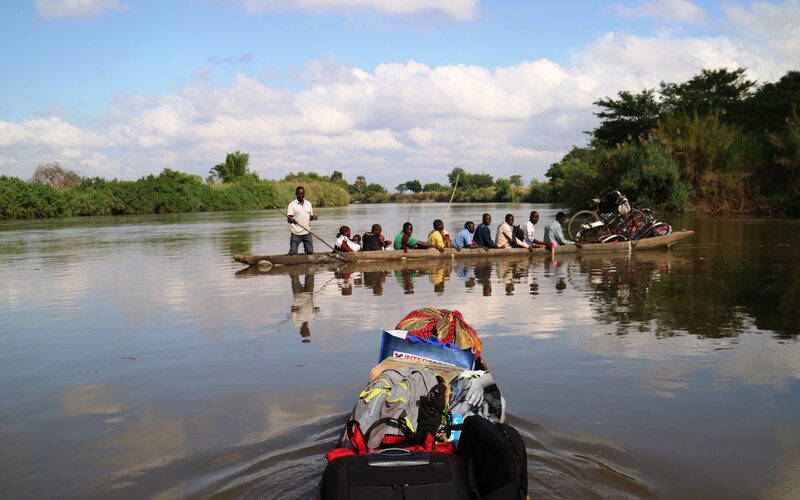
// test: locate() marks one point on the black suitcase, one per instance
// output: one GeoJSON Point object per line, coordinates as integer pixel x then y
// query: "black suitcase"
{"type": "Point", "coordinates": [395, 474]}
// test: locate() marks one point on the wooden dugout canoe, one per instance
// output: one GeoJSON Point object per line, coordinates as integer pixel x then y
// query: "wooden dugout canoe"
{"type": "Point", "coordinates": [268, 261]}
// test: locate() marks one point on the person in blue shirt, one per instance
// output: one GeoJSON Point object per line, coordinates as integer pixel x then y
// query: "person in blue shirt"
{"type": "Point", "coordinates": [483, 235]}
{"type": "Point", "coordinates": [464, 238]}
{"type": "Point", "coordinates": [554, 234]}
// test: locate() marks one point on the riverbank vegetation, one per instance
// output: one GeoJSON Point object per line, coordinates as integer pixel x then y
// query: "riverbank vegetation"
{"type": "Point", "coordinates": [716, 143]}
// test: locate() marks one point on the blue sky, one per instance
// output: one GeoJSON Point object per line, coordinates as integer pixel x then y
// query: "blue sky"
{"type": "Point", "coordinates": [386, 89]}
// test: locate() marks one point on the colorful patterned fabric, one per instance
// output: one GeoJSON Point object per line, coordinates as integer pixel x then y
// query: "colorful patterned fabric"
{"type": "Point", "coordinates": [447, 326]}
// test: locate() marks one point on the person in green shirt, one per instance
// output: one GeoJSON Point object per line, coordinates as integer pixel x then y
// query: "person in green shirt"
{"type": "Point", "coordinates": [403, 241]}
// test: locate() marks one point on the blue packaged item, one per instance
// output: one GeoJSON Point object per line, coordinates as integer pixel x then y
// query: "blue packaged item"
{"type": "Point", "coordinates": [456, 420]}
{"type": "Point", "coordinates": [397, 344]}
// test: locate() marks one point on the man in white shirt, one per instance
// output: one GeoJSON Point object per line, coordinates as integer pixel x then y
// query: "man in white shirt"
{"type": "Point", "coordinates": [505, 235]}
{"type": "Point", "coordinates": [299, 215]}
{"type": "Point", "coordinates": [530, 230]}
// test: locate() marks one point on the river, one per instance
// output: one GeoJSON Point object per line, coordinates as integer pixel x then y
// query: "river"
{"type": "Point", "coordinates": [138, 361]}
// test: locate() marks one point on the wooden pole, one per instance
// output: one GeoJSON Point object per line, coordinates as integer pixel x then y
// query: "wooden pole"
{"type": "Point", "coordinates": [455, 186]}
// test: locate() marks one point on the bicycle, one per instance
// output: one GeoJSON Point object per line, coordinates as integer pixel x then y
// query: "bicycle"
{"type": "Point", "coordinates": [608, 218]}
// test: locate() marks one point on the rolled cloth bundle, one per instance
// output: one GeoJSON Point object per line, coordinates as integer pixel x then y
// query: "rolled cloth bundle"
{"type": "Point", "coordinates": [445, 325]}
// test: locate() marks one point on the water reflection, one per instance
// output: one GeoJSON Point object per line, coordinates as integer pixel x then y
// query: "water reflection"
{"type": "Point", "coordinates": [303, 309]}
{"type": "Point", "coordinates": [661, 293]}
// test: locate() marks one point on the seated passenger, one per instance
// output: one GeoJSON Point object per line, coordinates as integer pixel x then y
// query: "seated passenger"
{"type": "Point", "coordinates": [437, 238]}
{"type": "Point", "coordinates": [403, 241]}
{"type": "Point", "coordinates": [483, 235]}
{"type": "Point", "coordinates": [343, 241]}
{"type": "Point", "coordinates": [464, 238]}
{"type": "Point", "coordinates": [357, 240]}
{"type": "Point", "coordinates": [554, 235]}
{"type": "Point", "coordinates": [507, 237]}
{"type": "Point", "coordinates": [374, 240]}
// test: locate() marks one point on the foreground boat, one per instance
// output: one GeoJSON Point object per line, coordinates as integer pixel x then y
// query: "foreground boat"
{"type": "Point", "coordinates": [268, 261]}
{"type": "Point", "coordinates": [430, 423]}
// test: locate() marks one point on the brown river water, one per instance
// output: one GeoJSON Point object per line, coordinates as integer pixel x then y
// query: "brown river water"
{"type": "Point", "coordinates": [138, 361]}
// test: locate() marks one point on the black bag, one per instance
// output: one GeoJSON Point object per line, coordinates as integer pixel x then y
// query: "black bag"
{"type": "Point", "coordinates": [395, 474]}
{"type": "Point", "coordinates": [496, 459]}
{"type": "Point", "coordinates": [517, 234]}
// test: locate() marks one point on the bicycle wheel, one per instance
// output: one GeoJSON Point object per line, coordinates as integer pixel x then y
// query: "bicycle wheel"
{"type": "Point", "coordinates": [613, 238]}
{"type": "Point", "coordinates": [660, 229]}
{"type": "Point", "coordinates": [635, 222]}
{"type": "Point", "coordinates": [577, 220]}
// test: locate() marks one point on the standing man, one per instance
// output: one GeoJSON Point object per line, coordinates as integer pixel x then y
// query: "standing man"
{"type": "Point", "coordinates": [530, 230]}
{"type": "Point", "coordinates": [554, 235]}
{"type": "Point", "coordinates": [483, 236]}
{"type": "Point", "coordinates": [299, 215]}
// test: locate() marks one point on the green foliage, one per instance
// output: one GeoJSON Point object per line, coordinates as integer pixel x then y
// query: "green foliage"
{"type": "Point", "coordinates": [470, 181]}
{"type": "Point", "coordinates": [321, 193]}
{"type": "Point", "coordinates": [234, 168]}
{"type": "Point", "coordinates": [773, 105]}
{"type": "Point", "coordinates": [714, 143]}
{"type": "Point", "coordinates": [22, 200]}
{"type": "Point", "coordinates": [539, 192]}
{"type": "Point", "coordinates": [170, 191]}
{"type": "Point", "coordinates": [629, 118]}
{"type": "Point", "coordinates": [414, 186]}
{"type": "Point", "coordinates": [710, 91]}
{"type": "Point", "coordinates": [433, 187]}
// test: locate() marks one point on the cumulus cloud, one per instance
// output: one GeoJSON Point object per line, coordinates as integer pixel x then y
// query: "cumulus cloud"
{"type": "Point", "coordinates": [776, 24]}
{"type": "Point", "coordinates": [680, 11]}
{"type": "Point", "coordinates": [454, 9]}
{"type": "Point", "coordinates": [51, 9]}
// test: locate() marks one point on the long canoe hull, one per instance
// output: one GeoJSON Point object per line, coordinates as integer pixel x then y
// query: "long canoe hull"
{"type": "Point", "coordinates": [268, 261]}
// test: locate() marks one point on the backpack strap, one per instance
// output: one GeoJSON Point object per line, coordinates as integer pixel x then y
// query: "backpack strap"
{"type": "Point", "coordinates": [356, 437]}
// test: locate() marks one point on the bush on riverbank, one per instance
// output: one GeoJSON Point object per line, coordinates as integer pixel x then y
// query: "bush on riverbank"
{"type": "Point", "coordinates": [168, 192]}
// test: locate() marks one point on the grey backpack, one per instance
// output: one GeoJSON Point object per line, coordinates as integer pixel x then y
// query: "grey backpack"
{"type": "Point", "coordinates": [389, 407]}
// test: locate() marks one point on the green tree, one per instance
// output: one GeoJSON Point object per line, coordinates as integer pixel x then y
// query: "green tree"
{"type": "Point", "coordinates": [234, 168]}
{"type": "Point", "coordinates": [771, 106]}
{"type": "Point", "coordinates": [401, 188]}
{"type": "Point", "coordinates": [712, 89]}
{"type": "Point", "coordinates": [628, 118]}
{"type": "Point", "coordinates": [456, 173]}
{"type": "Point", "coordinates": [414, 186]}
{"type": "Point", "coordinates": [433, 187]}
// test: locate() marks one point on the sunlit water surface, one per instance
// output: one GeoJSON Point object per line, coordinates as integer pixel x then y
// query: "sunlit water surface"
{"type": "Point", "coordinates": [137, 361]}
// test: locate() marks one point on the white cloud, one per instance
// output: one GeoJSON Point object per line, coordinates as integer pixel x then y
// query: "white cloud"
{"type": "Point", "coordinates": [388, 121]}
{"type": "Point", "coordinates": [455, 9]}
{"type": "Point", "coordinates": [680, 11]}
{"type": "Point", "coordinates": [75, 8]}
{"type": "Point", "coordinates": [776, 24]}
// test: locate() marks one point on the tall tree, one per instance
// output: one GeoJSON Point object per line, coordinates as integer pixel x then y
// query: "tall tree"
{"type": "Point", "coordinates": [628, 118]}
{"type": "Point", "coordinates": [234, 168]}
{"type": "Point", "coordinates": [713, 89]}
